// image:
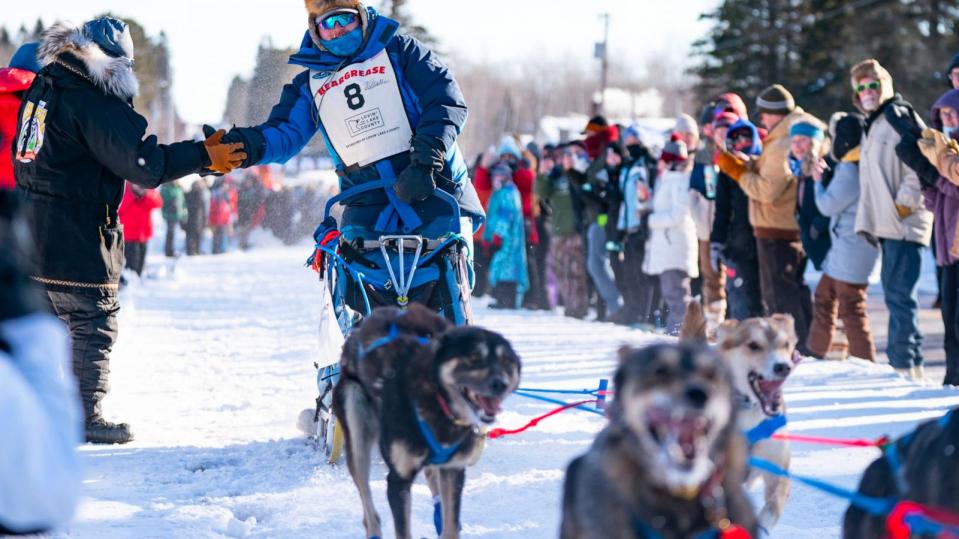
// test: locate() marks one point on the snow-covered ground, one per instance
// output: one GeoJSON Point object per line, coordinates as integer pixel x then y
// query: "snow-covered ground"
{"type": "Point", "coordinates": [215, 362]}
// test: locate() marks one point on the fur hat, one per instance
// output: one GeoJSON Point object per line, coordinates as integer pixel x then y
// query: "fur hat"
{"type": "Point", "coordinates": [315, 8]}
{"type": "Point", "coordinates": [871, 68]}
{"type": "Point", "coordinates": [775, 99]}
{"type": "Point", "coordinates": [111, 74]}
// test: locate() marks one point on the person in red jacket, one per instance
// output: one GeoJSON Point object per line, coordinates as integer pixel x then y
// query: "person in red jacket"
{"type": "Point", "coordinates": [14, 81]}
{"type": "Point", "coordinates": [136, 216]}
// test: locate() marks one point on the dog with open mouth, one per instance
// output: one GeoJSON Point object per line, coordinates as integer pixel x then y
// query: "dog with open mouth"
{"type": "Point", "coordinates": [670, 463]}
{"type": "Point", "coordinates": [760, 354]}
{"type": "Point", "coordinates": [423, 391]}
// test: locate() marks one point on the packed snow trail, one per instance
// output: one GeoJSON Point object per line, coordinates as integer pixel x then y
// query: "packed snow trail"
{"type": "Point", "coordinates": [214, 363]}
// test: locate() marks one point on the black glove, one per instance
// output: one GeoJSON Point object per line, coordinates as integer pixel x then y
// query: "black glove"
{"type": "Point", "coordinates": [415, 183]}
{"type": "Point", "coordinates": [908, 152]}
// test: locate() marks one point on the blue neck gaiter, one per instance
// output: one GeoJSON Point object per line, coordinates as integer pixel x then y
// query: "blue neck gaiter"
{"type": "Point", "coordinates": [345, 45]}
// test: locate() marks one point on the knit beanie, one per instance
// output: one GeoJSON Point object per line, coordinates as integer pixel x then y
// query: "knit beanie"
{"type": "Point", "coordinates": [806, 129]}
{"type": "Point", "coordinates": [845, 130]}
{"type": "Point", "coordinates": [775, 100]}
{"type": "Point", "coordinates": [686, 124]}
{"type": "Point", "coordinates": [675, 150]}
{"type": "Point", "coordinates": [953, 63]}
{"type": "Point", "coordinates": [26, 58]}
{"type": "Point", "coordinates": [509, 146]}
{"type": "Point", "coordinates": [595, 125]}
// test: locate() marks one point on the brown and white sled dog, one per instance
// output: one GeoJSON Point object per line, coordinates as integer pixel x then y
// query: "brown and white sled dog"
{"type": "Point", "coordinates": [760, 353]}
{"type": "Point", "coordinates": [421, 390]}
{"type": "Point", "coordinates": [669, 463]}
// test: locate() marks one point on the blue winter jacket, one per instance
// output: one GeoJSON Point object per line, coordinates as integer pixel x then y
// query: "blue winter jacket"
{"type": "Point", "coordinates": [434, 105]}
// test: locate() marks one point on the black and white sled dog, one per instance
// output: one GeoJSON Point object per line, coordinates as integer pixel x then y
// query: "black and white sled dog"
{"type": "Point", "coordinates": [670, 463]}
{"type": "Point", "coordinates": [760, 354]}
{"type": "Point", "coordinates": [922, 466]}
{"type": "Point", "coordinates": [421, 390]}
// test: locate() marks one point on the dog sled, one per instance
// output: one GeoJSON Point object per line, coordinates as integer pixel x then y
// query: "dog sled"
{"type": "Point", "coordinates": [398, 261]}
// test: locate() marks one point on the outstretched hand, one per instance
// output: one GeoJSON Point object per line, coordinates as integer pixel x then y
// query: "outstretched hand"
{"type": "Point", "coordinates": [224, 157]}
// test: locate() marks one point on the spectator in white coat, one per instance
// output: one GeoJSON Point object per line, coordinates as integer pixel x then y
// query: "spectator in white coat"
{"type": "Point", "coordinates": [672, 247]}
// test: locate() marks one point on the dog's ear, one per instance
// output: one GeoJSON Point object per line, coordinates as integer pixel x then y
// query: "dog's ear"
{"type": "Point", "coordinates": [624, 353]}
{"type": "Point", "coordinates": [694, 324]}
{"type": "Point", "coordinates": [785, 323]}
{"type": "Point", "coordinates": [725, 330]}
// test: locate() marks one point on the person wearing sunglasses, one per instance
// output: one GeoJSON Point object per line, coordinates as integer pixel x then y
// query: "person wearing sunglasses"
{"type": "Point", "coordinates": [891, 211]}
{"type": "Point", "coordinates": [387, 108]}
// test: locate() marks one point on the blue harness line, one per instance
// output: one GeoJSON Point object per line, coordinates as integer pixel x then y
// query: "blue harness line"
{"type": "Point", "coordinates": [765, 429]}
{"type": "Point", "coordinates": [894, 459]}
{"type": "Point", "coordinates": [869, 504]}
{"type": "Point", "coordinates": [439, 453]}
{"type": "Point", "coordinates": [392, 335]}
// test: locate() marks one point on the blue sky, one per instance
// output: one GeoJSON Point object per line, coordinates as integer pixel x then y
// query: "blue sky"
{"type": "Point", "coordinates": [212, 40]}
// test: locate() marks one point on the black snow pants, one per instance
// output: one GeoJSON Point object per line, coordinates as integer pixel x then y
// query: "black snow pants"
{"type": "Point", "coordinates": [91, 316]}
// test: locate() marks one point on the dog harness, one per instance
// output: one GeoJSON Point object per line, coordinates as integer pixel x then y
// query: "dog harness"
{"type": "Point", "coordinates": [392, 335]}
{"type": "Point", "coordinates": [765, 429]}
{"type": "Point", "coordinates": [439, 453]}
{"type": "Point", "coordinates": [894, 459]}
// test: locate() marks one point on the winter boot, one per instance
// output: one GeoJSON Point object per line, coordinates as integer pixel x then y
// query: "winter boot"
{"type": "Point", "coordinates": [101, 431]}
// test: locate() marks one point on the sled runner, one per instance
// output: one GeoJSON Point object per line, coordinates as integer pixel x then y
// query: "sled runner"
{"type": "Point", "coordinates": [398, 261]}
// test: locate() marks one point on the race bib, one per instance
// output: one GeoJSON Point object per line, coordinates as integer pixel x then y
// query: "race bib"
{"type": "Point", "coordinates": [362, 111]}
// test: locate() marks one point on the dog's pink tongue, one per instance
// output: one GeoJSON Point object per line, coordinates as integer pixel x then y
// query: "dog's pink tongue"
{"type": "Point", "coordinates": [687, 441]}
{"type": "Point", "coordinates": [489, 405]}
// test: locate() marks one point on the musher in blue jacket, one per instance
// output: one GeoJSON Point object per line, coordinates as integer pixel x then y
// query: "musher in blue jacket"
{"type": "Point", "coordinates": [387, 109]}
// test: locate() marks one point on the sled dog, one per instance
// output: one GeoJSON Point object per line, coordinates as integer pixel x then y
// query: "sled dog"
{"type": "Point", "coordinates": [922, 466]}
{"type": "Point", "coordinates": [670, 463]}
{"type": "Point", "coordinates": [421, 390]}
{"type": "Point", "coordinates": [760, 353]}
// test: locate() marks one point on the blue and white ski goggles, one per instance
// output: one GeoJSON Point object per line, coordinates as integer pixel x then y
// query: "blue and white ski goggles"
{"type": "Point", "coordinates": [338, 18]}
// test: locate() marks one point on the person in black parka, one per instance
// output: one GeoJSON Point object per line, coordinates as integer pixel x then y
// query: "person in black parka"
{"type": "Point", "coordinates": [78, 138]}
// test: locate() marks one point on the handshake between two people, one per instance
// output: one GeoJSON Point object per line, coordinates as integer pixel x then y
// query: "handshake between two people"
{"type": "Point", "coordinates": [225, 155]}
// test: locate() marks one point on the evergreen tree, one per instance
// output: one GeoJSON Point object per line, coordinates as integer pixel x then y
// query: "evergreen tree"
{"type": "Point", "coordinates": [397, 10]}
{"type": "Point", "coordinates": [810, 45]}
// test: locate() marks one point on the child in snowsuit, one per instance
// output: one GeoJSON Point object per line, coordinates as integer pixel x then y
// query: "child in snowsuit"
{"type": "Point", "coordinates": [506, 231]}
{"type": "Point", "coordinates": [672, 247]}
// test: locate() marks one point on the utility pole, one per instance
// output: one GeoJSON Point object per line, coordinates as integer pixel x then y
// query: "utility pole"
{"type": "Point", "coordinates": [602, 53]}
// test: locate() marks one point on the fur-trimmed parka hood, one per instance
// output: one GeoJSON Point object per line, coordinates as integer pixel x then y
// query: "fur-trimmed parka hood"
{"type": "Point", "coordinates": [871, 68]}
{"type": "Point", "coordinates": [112, 75]}
{"type": "Point", "coordinates": [315, 8]}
